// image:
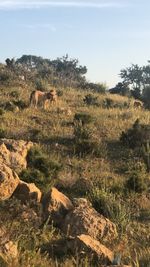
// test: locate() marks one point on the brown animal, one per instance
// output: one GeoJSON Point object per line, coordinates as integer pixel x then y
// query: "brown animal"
{"type": "Point", "coordinates": [39, 98]}
{"type": "Point", "coordinates": [138, 104]}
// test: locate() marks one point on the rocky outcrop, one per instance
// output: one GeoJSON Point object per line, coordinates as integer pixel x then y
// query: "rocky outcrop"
{"type": "Point", "coordinates": [87, 245]}
{"type": "Point", "coordinates": [83, 246]}
{"type": "Point", "coordinates": [13, 153]}
{"type": "Point", "coordinates": [9, 180]}
{"type": "Point", "coordinates": [57, 205]}
{"type": "Point", "coordinates": [26, 192]}
{"type": "Point", "coordinates": [12, 159]}
{"type": "Point", "coordinates": [84, 219]}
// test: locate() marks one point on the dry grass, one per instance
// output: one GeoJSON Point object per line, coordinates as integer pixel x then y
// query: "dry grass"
{"type": "Point", "coordinates": [53, 130]}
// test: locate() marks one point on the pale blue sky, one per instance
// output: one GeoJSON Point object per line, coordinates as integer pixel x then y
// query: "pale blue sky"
{"type": "Point", "coordinates": [105, 35]}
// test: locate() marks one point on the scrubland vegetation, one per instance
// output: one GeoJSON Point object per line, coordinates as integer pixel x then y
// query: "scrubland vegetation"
{"type": "Point", "coordinates": [89, 144]}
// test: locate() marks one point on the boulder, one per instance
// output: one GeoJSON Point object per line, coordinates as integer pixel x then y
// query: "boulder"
{"type": "Point", "coordinates": [13, 153]}
{"type": "Point", "coordinates": [83, 246]}
{"type": "Point", "coordinates": [9, 180]}
{"type": "Point", "coordinates": [84, 219]}
{"type": "Point", "coordinates": [27, 191]}
{"type": "Point", "coordinates": [89, 246]}
{"type": "Point", "coordinates": [56, 205]}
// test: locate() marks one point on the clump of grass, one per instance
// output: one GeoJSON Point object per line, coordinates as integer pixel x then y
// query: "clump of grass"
{"type": "Point", "coordinates": [14, 94]}
{"type": "Point", "coordinates": [137, 178]}
{"type": "Point", "coordinates": [84, 118]}
{"type": "Point", "coordinates": [111, 207]}
{"type": "Point", "coordinates": [2, 111]}
{"type": "Point", "coordinates": [3, 133]}
{"type": "Point", "coordinates": [40, 169]}
{"type": "Point", "coordinates": [91, 100]}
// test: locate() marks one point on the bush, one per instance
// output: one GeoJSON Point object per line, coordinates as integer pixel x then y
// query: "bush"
{"type": "Point", "coordinates": [108, 103]}
{"type": "Point", "coordinates": [137, 178]}
{"type": "Point", "coordinates": [91, 100]}
{"type": "Point", "coordinates": [33, 176]}
{"type": "Point", "coordinates": [42, 85]}
{"type": "Point", "coordinates": [84, 118]}
{"type": "Point", "coordinates": [111, 207]}
{"type": "Point", "coordinates": [14, 94]}
{"type": "Point", "coordinates": [40, 169]}
{"type": "Point", "coordinates": [21, 104]}
{"type": "Point", "coordinates": [60, 92]}
{"type": "Point", "coordinates": [9, 106]}
{"type": "Point", "coordinates": [1, 111]}
{"type": "Point", "coordinates": [2, 133]}
{"type": "Point", "coordinates": [136, 136]}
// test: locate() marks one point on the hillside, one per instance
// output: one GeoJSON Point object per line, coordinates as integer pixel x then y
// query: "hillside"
{"type": "Point", "coordinates": [78, 139]}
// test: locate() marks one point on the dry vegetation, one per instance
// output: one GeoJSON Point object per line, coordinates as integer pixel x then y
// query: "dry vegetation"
{"type": "Point", "coordinates": [100, 175]}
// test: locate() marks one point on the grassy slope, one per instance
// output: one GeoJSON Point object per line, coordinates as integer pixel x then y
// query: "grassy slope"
{"type": "Point", "coordinates": [53, 130]}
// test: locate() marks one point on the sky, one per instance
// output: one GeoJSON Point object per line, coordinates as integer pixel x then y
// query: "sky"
{"type": "Point", "coordinates": [104, 35]}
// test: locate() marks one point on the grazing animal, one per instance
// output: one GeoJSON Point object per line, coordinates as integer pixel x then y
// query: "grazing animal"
{"type": "Point", "coordinates": [39, 98]}
{"type": "Point", "coordinates": [138, 104]}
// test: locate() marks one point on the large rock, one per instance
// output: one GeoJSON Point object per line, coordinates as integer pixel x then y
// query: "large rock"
{"type": "Point", "coordinates": [86, 244]}
{"type": "Point", "coordinates": [56, 205]}
{"type": "Point", "coordinates": [26, 192]}
{"type": "Point", "coordinates": [83, 246]}
{"type": "Point", "coordinates": [13, 153]}
{"type": "Point", "coordinates": [8, 181]}
{"type": "Point", "coordinates": [84, 219]}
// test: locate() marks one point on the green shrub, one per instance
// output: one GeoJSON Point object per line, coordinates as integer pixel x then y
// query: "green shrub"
{"type": "Point", "coordinates": [1, 111]}
{"type": "Point", "coordinates": [108, 103]}
{"type": "Point", "coordinates": [9, 106]}
{"type": "Point", "coordinates": [60, 92]}
{"type": "Point", "coordinates": [91, 100]}
{"type": "Point", "coordinates": [137, 178]}
{"type": "Point", "coordinates": [35, 176]}
{"type": "Point", "coordinates": [21, 104]}
{"type": "Point", "coordinates": [42, 85]}
{"type": "Point", "coordinates": [136, 183]}
{"type": "Point", "coordinates": [111, 207]}
{"type": "Point", "coordinates": [40, 169]}
{"type": "Point", "coordinates": [82, 131]}
{"type": "Point", "coordinates": [14, 94]}
{"type": "Point", "coordinates": [84, 118]}
{"type": "Point", "coordinates": [2, 133]}
{"type": "Point", "coordinates": [137, 135]}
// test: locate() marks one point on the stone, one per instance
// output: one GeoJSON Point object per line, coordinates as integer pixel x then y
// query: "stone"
{"type": "Point", "coordinates": [13, 153]}
{"type": "Point", "coordinates": [86, 244]}
{"type": "Point", "coordinates": [84, 219]}
{"type": "Point", "coordinates": [9, 180]}
{"type": "Point", "coordinates": [57, 205]}
{"type": "Point", "coordinates": [27, 191]}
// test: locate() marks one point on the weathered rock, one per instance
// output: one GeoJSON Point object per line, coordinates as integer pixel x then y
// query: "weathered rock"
{"type": "Point", "coordinates": [13, 153]}
{"type": "Point", "coordinates": [86, 244]}
{"type": "Point", "coordinates": [57, 205]}
{"type": "Point", "coordinates": [83, 246]}
{"type": "Point", "coordinates": [26, 192]}
{"type": "Point", "coordinates": [8, 181]}
{"type": "Point", "coordinates": [84, 219]}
